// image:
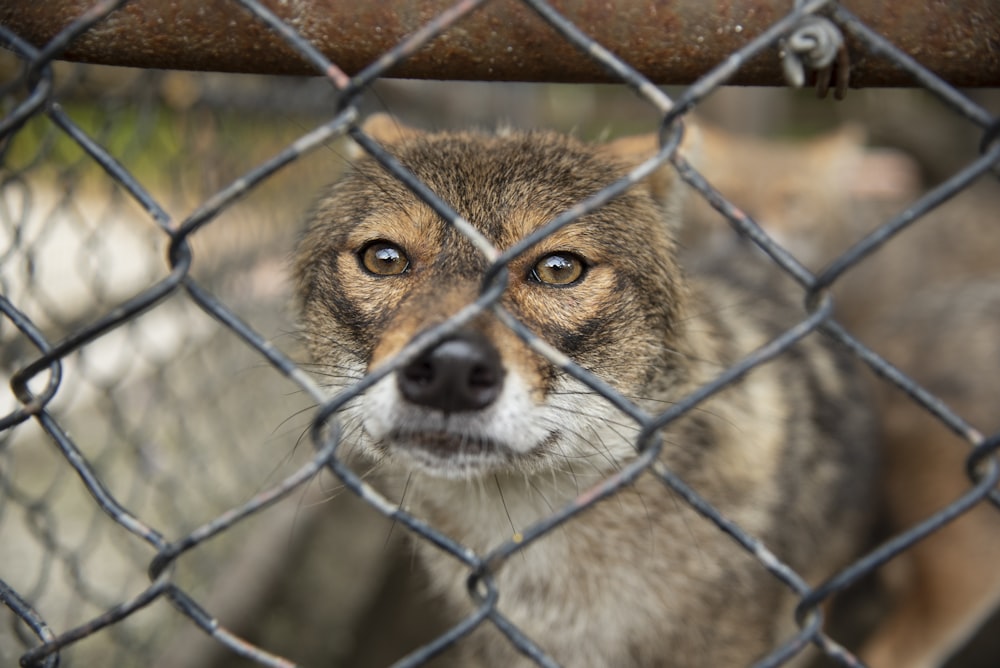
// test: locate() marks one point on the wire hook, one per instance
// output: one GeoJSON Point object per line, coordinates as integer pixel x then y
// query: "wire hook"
{"type": "Point", "coordinates": [816, 44]}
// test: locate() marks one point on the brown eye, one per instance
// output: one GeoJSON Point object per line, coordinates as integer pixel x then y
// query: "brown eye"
{"type": "Point", "coordinates": [558, 269]}
{"type": "Point", "coordinates": [384, 258]}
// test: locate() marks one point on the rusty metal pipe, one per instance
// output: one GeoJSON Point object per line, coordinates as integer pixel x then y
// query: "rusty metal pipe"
{"type": "Point", "coordinates": [670, 42]}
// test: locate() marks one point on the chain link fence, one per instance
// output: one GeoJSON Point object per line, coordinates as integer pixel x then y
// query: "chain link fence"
{"type": "Point", "coordinates": [168, 466]}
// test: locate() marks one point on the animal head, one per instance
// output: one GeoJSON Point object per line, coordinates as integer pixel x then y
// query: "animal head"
{"type": "Point", "coordinates": [377, 267]}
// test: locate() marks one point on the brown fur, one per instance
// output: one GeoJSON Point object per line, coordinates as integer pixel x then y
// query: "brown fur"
{"type": "Point", "coordinates": [930, 302]}
{"type": "Point", "coordinates": [641, 579]}
{"type": "Point", "coordinates": [948, 339]}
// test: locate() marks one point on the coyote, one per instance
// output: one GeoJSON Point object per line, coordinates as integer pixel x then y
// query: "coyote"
{"type": "Point", "coordinates": [492, 437]}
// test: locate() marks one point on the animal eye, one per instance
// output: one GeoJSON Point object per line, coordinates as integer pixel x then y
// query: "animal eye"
{"type": "Point", "coordinates": [384, 258]}
{"type": "Point", "coordinates": [558, 269]}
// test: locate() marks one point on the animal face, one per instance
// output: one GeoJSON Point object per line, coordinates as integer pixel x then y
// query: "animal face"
{"type": "Point", "coordinates": [378, 267]}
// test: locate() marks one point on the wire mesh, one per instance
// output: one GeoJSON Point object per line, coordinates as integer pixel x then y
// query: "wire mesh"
{"type": "Point", "coordinates": [96, 322]}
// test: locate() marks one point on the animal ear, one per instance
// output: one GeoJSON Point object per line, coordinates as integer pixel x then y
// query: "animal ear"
{"type": "Point", "coordinates": [386, 130]}
{"type": "Point", "coordinates": [663, 183]}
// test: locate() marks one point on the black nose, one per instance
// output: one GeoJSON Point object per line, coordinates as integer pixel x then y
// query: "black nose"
{"type": "Point", "coordinates": [462, 373]}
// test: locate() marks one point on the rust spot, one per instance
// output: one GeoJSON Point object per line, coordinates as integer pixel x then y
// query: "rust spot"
{"type": "Point", "coordinates": [670, 42]}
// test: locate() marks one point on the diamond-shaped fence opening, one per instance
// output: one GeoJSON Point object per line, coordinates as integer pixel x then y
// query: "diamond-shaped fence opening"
{"type": "Point", "coordinates": [173, 491]}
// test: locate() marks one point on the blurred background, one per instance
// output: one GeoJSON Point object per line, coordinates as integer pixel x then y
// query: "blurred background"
{"type": "Point", "coordinates": [182, 421]}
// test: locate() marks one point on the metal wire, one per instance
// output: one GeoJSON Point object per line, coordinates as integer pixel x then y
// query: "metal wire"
{"type": "Point", "coordinates": [50, 353]}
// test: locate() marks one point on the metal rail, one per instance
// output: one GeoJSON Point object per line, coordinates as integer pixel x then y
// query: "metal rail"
{"type": "Point", "coordinates": [672, 42]}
